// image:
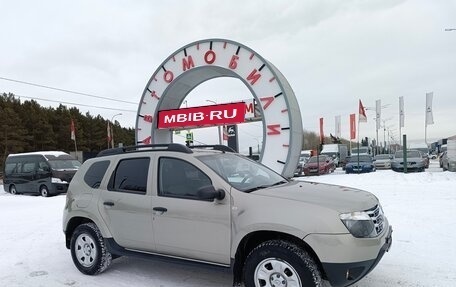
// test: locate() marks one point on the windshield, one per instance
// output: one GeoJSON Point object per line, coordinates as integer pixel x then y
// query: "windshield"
{"type": "Point", "coordinates": [424, 151]}
{"type": "Point", "coordinates": [241, 172]}
{"type": "Point", "coordinates": [361, 158]}
{"type": "Point", "coordinates": [360, 150]}
{"type": "Point", "coordinates": [382, 156]}
{"type": "Point", "coordinates": [410, 154]}
{"type": "Point", "coordinates": [330, 154]}
{"type": "Point", "coordinates": [64, 164]}
{"type": "Point", "coordinates": [303, 158]}
{"type": "Point", "coordinates": [320, 158]}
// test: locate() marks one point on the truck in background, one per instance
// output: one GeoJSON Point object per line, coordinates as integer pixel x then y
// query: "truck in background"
{"type": "Point", "coordinates": [338, 152]}
{"type": "Point", "coordinates": [449, 157]}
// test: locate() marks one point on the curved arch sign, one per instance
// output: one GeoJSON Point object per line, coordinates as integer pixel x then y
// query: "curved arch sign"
{"type": "Point", "coordinates": [203, 60]}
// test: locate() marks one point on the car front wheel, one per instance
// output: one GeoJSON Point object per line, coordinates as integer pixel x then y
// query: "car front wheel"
{"type": "Point", "coordinates": [44, 191]}
{"type": "Point", "coordinates": [88, 250]}
{"type": "Point", "coordinates": [278, 263]}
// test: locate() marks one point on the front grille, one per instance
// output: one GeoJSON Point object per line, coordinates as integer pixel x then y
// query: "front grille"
{"type": "Point", "coordinates": [376, 214]}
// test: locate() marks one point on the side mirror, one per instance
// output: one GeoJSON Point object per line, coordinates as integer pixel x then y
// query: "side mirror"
{"type": "Point", "coordinates": [209, 193]}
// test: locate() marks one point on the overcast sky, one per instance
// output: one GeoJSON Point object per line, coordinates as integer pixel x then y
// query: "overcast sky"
{"type": "Point", "coordinates": [333, 53]}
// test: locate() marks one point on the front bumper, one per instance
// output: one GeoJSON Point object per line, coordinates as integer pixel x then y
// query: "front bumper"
{"type": "Point", "coordinates": [342, 272]}
{"type": "Point", "coordinates": [58, 188]}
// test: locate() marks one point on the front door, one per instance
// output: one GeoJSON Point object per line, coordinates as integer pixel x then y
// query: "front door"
{"type": "Point", "coordinates": [184, 225]}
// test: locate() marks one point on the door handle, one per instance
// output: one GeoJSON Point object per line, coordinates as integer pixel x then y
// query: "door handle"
{"type": "Point", "coordinates": [108, 203]}
{"type": "Point", "coordinates": [160, 209]}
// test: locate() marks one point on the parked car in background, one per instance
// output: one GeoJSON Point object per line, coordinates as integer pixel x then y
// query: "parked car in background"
{"type": "Point", "coordinates": [44, 172]}
{"type": "Point", "coordinates": [359, 164]}
{"type": "Point", "coordinates": [338, 153]}
{"type": "Point", "coordinates": [383, 161]}
{"type": "Point", "coordinates": [415, 161]}
{"type": "Point", "coordinates": [424, 149]}
{"type": "Point", "coordinates": [319, 165]}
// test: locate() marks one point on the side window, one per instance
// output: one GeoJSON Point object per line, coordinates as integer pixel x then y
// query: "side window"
{"type": "Point", "coordinates": [130, 176]}
{"type": "Point", "coordinates": [178, 178]}
{"type": "Point", "coordinates": [95, 173]}
{"type": "Point", "coordinates": [28, 167]}
{"type": "Point", "coordinates": [10, 168]}
{"type": "Point", "coordinates": [43, 166]}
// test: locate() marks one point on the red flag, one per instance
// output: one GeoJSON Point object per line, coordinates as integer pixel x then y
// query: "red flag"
{"type": "Point", "coordinates": [108, 129]}
{"type": "Point", "coordinates": [352, 126]}
{"type": "Point", "coordinates": [362, 113]}
{"type": "Point", "coordinates": [225, 133]}
{"type": "Point", "coordinates": [322, 135]}
{"type": "Point", "coordinates": [73, 132]}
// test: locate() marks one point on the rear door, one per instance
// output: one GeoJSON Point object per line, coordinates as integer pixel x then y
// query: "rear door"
{"type": "Point", "coordinates": [184, 225]}
{"type": "Point", "coordinates": [126, 204]}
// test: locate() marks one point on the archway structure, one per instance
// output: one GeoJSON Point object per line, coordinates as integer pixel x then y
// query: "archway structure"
{"type": "Point", "coordinates": [203, 60]}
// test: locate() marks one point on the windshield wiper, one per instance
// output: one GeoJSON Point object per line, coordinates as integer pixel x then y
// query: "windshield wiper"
{"type": "Point", "coordinates": [265, 186]}
{"type": "Point", "coordinates": [257, 187]}
{"type": "Point", "coordinates": [280, 182]}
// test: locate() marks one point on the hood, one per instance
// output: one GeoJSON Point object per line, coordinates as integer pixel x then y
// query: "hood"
{"type": "Point", "coordinates": [360, 163]}
{"type": "Point", "coordinates": [339, 198]}
{"type": "Point", "coordinates": [409, 159]}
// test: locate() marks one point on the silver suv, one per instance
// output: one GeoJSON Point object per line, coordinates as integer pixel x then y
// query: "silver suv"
{"type": "Point", "coordinates": [211, 205]}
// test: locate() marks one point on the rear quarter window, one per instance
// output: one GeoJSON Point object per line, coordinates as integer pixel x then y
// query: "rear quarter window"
{"type": "Point", "coordinates": [95, 173]}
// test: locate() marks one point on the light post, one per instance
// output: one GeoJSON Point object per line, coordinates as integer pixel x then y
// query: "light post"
{"type": "Point", "coordinates": [218, 127]}
{"type": "Point", "coordinates": [384, 133]}
{"type": "Point", "coordinates": [258, 144]}
{"type": "Point", "coordinates": [112, 129]}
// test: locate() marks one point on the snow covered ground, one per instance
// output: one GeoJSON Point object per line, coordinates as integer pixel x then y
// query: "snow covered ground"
{"type": "Point", "coordinates": [420, 206]}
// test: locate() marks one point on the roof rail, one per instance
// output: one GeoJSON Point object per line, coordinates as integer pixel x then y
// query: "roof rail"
{"type": "Point", "coordinates": [218, 147]}
{"type": "Point", "coordinates": [153, 147]}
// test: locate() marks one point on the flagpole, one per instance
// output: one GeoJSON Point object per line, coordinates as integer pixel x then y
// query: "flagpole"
{"type": "Point", "coordinates": [425, 132]}
{"type": "Point", "coordinates": [75, 145]}
{"type": "Point", "coordinates": [358, 141]}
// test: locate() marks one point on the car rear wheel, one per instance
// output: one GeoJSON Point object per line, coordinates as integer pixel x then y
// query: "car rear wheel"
{"type": "Point", "coordinates": [88, 250]}
{"type": "Point", "coordinates": [13, 189]}
{"type": "Point", "coordinates": [278, 263]}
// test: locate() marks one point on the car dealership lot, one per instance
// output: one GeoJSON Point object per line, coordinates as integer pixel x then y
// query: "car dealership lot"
{"type": "Point", "coordinates": [420, 206]}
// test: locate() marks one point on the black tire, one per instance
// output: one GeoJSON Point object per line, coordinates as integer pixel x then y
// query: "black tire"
{"type": "Point", "coordinates": [44, 191]}
{"type": "Point", "coordinates": [13, 189]}
{"type": "Point", "coordinates": [294, 264]}
{"type": "Point", "coordinates": [88, 250]}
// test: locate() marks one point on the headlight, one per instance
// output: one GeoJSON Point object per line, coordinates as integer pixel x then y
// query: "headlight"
{"type": "Point", "coordinates": [359, 224]}
{"type": "Point", "coordinates": [57, 180]}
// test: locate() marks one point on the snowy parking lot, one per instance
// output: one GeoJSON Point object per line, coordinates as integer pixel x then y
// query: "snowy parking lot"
{"type": "Point", "coordinates": [420, 206]}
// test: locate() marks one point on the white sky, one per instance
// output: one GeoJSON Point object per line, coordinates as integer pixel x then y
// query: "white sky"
{"type": "Point", "coordinates": [333, 53]}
